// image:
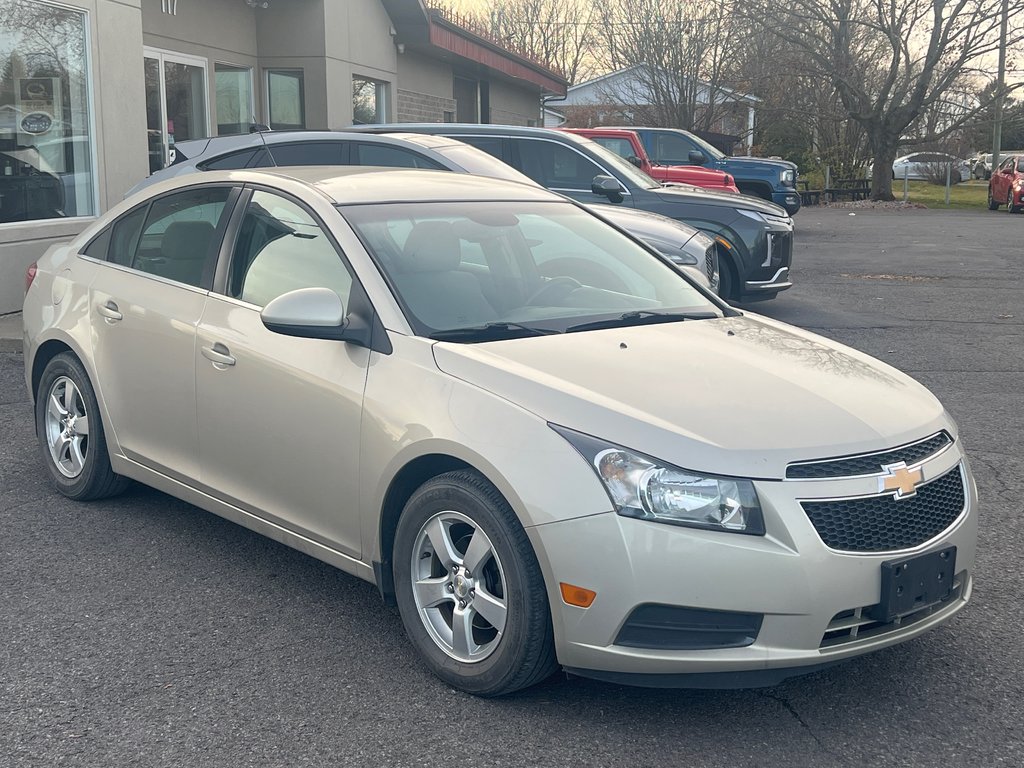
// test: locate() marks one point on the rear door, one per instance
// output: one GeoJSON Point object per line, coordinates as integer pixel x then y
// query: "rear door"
{"type": "Point", "coordinates": [146, 302]}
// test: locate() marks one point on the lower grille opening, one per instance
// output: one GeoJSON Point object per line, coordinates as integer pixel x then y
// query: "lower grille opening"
{"type": "Point", "coordinates": [671, 627]}
{"type": "Point", "coordinates": [856, 623]}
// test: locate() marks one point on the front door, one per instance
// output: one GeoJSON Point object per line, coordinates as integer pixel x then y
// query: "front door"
{"type": "Point", "coordinates": [279, 416]}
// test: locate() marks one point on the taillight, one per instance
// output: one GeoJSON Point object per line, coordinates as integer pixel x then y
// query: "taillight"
{"type": "Point", "coordinates": [30, 275]}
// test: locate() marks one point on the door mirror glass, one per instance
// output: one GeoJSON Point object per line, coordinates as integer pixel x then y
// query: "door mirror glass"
{"type": "Point", "coordinates": [607, 186]}
{"type": "Point", "coordinates": [697, 157]}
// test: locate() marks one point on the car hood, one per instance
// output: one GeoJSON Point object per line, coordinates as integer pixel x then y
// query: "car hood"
{"type": "Point", "coordinates": [713, 197]}
{"type": "Point", "coordinates": [739, 396]}
{"type": "Point", "coordinates": [758, 163]}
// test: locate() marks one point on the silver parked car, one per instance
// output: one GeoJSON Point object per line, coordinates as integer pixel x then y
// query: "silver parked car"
{"type": "Point", "coordinates": [523, 425]}
{"type": "Point", "coordinates": [684, 245]}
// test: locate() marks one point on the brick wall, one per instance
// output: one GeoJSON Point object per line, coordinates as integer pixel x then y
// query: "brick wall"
{"type": "Point", "coordinates": [415, 107]}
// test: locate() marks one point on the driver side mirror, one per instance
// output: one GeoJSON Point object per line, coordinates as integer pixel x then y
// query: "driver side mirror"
{"type": "Point", "coordinates": [607, 186]}
{"type": "Point", "coordinates": [634, 160]}
{"type": "Point", "coordinates": [697, 157]}
{"type": "Point", "coordinates": [314, 313]}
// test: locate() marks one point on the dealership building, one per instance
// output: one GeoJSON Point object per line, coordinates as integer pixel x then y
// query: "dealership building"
{"type": "Point", "coordinates": [95, 93]}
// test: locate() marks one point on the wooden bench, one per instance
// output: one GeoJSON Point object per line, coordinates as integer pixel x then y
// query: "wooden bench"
{"type": "Point", "coordinates": [808, 196]}
{"type": "Point", "coordinates": [854, 189]}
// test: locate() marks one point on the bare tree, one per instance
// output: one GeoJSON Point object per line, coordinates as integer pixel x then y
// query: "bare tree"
{"type": "Point", "coordinates": [679, 50]}
{"type": "Point", "coordinates": [560, 33]}
{"type": "Point", "coordinates": [890, 61]}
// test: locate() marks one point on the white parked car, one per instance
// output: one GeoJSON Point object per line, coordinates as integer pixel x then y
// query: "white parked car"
{"type": "Point", "coordinates": [423, 378]}
{"type": "Point", "coordinates": [930, 166]}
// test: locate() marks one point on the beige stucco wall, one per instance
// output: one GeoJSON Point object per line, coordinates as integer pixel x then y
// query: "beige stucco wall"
{"type": "Point", "coordinates": [513, 106]}
{"type": "Point", "coordinates": [119, 120]}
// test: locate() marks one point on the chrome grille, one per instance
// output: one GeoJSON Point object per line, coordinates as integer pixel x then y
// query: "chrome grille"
{"type": "Point", "coordinates": [856, 624]}
{"type": "Point", "coordinates": [868, 463]}
{"type": "Point", "coordinates": [883, 523]}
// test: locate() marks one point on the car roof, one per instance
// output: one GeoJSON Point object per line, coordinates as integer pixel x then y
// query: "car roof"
{"type": "Point", "coordinates": [200, 149]}
{"type": "Point", "coordinates": [454, 129]}
{"type": "Point", "coordinates": [354, 185]}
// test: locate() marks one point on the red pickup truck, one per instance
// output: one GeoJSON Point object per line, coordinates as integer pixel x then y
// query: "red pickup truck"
{"type": "Point", "coordinates": [627, 144]}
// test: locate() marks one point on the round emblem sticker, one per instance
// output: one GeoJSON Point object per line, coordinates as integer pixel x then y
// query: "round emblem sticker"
{"type": "Point", "coordinates": [36, 122]}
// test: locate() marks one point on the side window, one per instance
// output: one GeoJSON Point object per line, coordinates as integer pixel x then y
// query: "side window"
{"type": "Point", "coordinates": [180, 234]}
{"type": "Point", "coordinates": [391, 157]}
{"type": "Point", "coordinates": [282, 248]}
{"type": "Point", "coordinates": [555, 166]}
{"type": "Point", "coordinates": [308, 153]}
{"type": "Point", "coordinates": [125, 236]}
{"type": "Point", "coordinates": [620, 147]}
{"type": "Point", "coordinates": [489, 144]}
{"type": "Point", "coordinates": [99, 246]}
{"type": "Point", "coordinates": [247, 158]}
{"type": "Point", "coordinates": [673, 149]}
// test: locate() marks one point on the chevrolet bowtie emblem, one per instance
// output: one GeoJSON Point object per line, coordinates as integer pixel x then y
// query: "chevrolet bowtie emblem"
{"type": "Point", "coordinates": [900, 479]}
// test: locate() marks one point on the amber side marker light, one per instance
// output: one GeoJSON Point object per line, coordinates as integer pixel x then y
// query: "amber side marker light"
{"type": "Point", "coordinates": [577, 596]}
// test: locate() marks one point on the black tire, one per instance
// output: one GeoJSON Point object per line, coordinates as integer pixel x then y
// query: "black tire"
{"type": "Point", "coordinates": [727, 280]}
{"type": "Point", "coordinates": [1010, 207]}
{"type": "Point", "coordinates": [523, 654]}
{"type": "Point", "coordinates": [95, 479]}
{"type": "Point", "coordinates": [993, 204]}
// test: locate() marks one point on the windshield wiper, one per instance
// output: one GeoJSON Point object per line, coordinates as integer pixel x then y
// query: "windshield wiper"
{"type": "Point", "coordinates": [641, 317]}
{"type": "Point", "coordinates": [491, 331]}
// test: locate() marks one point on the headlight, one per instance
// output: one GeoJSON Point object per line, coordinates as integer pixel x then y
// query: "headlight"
{"type": "Point", "coordinates": [648, 489]}
{"type": "Point", "coordinates": [672, 251]}
{"type": "Point", "coordinates": [696, 248]}
{"type": "Point", "coordinates": [789, 177]}
{"type": "Point", "coordinates": [752, 215]}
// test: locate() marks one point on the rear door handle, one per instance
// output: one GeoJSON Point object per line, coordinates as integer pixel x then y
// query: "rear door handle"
{"type": "Point", "coordinates": [218, 353]}
{"type": "Point", "coordinates": [109, 311]}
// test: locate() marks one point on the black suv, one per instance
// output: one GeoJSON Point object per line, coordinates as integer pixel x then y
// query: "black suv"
{"type": "Point", "coordinates": [755, 237]}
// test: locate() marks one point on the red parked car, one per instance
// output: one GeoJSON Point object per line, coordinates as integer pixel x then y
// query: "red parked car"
{"type": "Point", "coordinates": [627, 144]}
{"type": "Point", "coordinates": [1006, 186]}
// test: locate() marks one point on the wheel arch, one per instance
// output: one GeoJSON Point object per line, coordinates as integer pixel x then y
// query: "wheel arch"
{"type": "Point", "coordinates": [761, 189]}
{"type": "Point", "coordinates": [403, 485]}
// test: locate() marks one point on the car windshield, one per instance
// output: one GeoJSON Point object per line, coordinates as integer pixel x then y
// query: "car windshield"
{"type": "Point", "coordinates": [623, 167]}
{"type": "Point", "coordinates": [478, 271]}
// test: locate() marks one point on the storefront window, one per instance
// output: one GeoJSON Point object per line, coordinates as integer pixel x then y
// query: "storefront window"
{"type": "Point", "coordinates": [285, 99]}
{"type": "Point", "coordinates": [46, 148]}
{"type": "Point", "coordinates": [234, 99]}
{"type": "Point", "coordinates": [368, 100]}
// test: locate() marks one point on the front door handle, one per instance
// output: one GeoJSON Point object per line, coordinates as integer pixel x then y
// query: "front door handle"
{"type": "Point", "coordinates": [109, 311]}
{"type": "Point", "coordinates": [218, 353]}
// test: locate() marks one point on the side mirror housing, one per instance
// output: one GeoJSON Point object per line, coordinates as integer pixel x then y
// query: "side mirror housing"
{"type": "Point", "coordinates": [607, 186]}
{"type": "Point", "coordinates": [636, 161]}
{"type": "Point", "coordinates": [314, 313]}
{"type": "Point", "coordinates": [697, 157]}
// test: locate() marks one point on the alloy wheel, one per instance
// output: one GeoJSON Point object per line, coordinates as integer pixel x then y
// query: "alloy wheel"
{"type": "Point", "coordinates": [67, 427]}
{"type": "Point", "coordinates": [459, 586]}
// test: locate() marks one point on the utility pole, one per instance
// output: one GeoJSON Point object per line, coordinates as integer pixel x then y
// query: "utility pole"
{"type": "Point", "coordinates": [997, 127]}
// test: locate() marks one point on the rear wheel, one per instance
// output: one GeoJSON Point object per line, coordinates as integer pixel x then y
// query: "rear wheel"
{"type": "Point", "coordinates": [993, 204]}
{"type": "Point", "coordinates": [469, 588]}
{"type": "Point", "coordinates": [71, 433]}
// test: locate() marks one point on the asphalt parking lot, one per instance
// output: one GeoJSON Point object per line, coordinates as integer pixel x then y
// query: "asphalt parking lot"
{"type": "Point", "coordinates": [143, 631]}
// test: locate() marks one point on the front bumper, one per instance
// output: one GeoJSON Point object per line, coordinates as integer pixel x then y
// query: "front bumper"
{"type": "Point", "coordinates": [812, 600]}
{"type": "Point", "coordinates": [790, 200]}
{"type": "Point", "coordinates": [778, 282]}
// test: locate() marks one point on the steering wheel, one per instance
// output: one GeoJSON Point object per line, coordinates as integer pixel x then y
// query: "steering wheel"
{"type": "Point", "coordinates": [561, 286]}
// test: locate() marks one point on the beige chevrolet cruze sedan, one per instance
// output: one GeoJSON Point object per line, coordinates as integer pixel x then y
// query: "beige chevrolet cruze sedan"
{"type": "Point", "coordinates": [525, 427]}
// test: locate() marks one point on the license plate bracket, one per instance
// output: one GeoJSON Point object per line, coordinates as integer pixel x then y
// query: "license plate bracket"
{"type": "Point", "coordinates": [914, 583]}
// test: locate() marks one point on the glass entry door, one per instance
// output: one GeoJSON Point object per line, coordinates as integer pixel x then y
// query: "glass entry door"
{"type": "Point", "coordinates": [175, 103]}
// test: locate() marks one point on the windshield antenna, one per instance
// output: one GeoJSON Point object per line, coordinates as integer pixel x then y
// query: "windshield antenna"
{"type": "Point", "coordinates": [260, 128]}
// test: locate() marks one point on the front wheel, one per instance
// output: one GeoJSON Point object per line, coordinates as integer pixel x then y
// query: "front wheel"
{"type": "Point", "coordinates": [1010, 207]}
{"type": "Point", "coordinates": [71, 433]}
{"type": "Point", "coordinates": [469, 588]}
